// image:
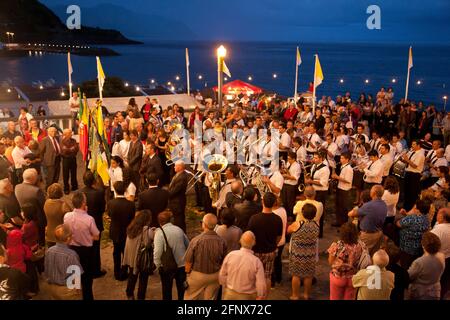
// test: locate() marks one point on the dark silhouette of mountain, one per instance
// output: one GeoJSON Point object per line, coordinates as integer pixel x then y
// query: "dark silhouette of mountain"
{"type": "Point", "coordinates": [31, 21]}
{"type": "Point", "coordinates": [131, 23]}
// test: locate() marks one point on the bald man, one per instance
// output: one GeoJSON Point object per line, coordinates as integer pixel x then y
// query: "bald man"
{"type": "Point", "coordinates": [50, 151]}
{"type": "Point", "coordinates": [69, 151]}
{"type": "Point", "coordinates": [242, 273]}
{"type": "Point", "coordinates": [204, 257]}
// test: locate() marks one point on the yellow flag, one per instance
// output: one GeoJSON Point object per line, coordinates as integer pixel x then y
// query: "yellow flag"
{"type": "Point", "coordinates": [299, 58]}
{"type": "Point", "coordinates": [100, 76]}
{"type": "Point", "coordinates": [318, 74]}
{"type": "Point", "coordinates": [102, 168]}
{"type": "Point", "coordinates": [410, 60]}
{"type": "Point", "coordinates": [69, 64]}
{"type": "Point", "coordinates": [100, 126]}
{"type": "Point", "coordinates": [226, 70]}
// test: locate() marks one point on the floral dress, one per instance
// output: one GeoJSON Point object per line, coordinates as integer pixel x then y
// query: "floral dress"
{"type": "Point", "coordinates": [347, 258]}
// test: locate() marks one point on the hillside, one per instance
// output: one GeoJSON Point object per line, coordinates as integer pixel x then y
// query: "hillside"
{"type": "Point", "coordinates": [32, 21]}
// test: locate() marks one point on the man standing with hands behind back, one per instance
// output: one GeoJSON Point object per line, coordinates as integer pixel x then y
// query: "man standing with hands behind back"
{"type": "Point", "coordinates": [50, 151]}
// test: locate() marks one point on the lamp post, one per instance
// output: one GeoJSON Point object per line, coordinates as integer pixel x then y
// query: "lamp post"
{"type": "Point", "coordinates": [7, 34]}
{"type": "Point", "coordinates": [221, 53]}
{"type": "Point", "coordinates": [12, 36]}
{"type": "Point", "coordinates": [445, 102]}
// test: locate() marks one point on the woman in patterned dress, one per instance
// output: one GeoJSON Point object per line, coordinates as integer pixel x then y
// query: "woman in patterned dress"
{"type": "Point", "coordinates": [303, 252]}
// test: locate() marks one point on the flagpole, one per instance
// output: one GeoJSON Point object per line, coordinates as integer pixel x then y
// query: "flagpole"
{"type": "Point", "coordinates": [296, 76]}
{"type": "Point", "coordinates": [314, 86]}
{"type": "Point", "coordinates": [409, 72]}
{"type": "Point", "coordinates": [99, 81]}
{"type": "Point", "coordinates": [187, 73]}
{"type": "Point", "coordinates": [70, 69]}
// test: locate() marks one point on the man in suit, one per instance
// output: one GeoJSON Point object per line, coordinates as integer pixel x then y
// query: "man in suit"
{"type": "Point", "coordinates": [95, 208]}
{"type": "Point", "coordinates": [50, 151]}
{"type": "Point", "coordinates": [5, 165]}
{"type": "Point", "coordinates": [154, 199]}
{"type": "Point", "coordinates": [29, 193]}
{"type": "Point", "coordinates": [151, 163]}
{"type": "Point", "coordinates": [135, 157]}
{"type": "Point", "coordinates": [177, 195]}
{"type": "Point", "coordinates": [69, 151]}
{"type": "Point", "coordinates": [121, 211]}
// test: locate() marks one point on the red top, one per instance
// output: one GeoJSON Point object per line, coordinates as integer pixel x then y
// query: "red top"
{"type": "Point", "coordinates": [28, 136]}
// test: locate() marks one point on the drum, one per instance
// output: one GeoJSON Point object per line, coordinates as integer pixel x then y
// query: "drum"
{"type": "Point", "coordinates": [399, 169]}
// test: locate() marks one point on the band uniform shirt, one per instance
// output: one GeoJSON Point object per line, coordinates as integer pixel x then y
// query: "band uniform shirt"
{"type": "Point", "coordinates": [374, 173]}
{"type": "Point", "coordinates": [320, 173]}
{"type": "Point", "coordinates": [277, 179]}
{"type": "Point", "coordinates": [437, 162]}
{"type": "Point", "coordinates": [312, 142]}
{"type": "Point", "coordinates": [294, 170]}
{"type": "Point", "coordinates": [332, 148]}
{"type": "Point", "coordinates": [387, 163]}
{"type": "Point", "coordinates": [301, 154]}
{"type": "Point", "coordinates": [285, 140]}
{"type": "Point", "coordinates": [418, 158]}
{"type": "Point", "coordinates": [223, 193]}
{"type": "Point", "coordinates": [347, 175]}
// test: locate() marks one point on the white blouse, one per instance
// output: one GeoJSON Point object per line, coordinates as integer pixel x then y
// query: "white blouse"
{"type": "Point", "coordinates": [391, 201]}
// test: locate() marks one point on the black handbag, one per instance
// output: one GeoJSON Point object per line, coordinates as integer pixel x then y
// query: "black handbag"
{"type": "Point", "coordinates": [144, 258]}
{"type": "Point", "coordinates": [168, 263]}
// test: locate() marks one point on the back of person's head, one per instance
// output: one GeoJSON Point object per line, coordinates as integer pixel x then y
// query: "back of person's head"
{"type": "Point", "coordinates": [30, 175]}
{"type": "Point", "coordinates": [227, 217]}
{"type": "Point", "coordinates": [423, 206]}
{"type": "Point", "coordinates": [431, 242]}
{"type": "Point", "coordinates": [365, 196]}
{"type": "Point", "coordinates": [164, 217]}
{"type": "Point", "coordinates": [119, 188]}
{"type": "Point", "coordinates": [236, 187]}
{"type": "Point", "coordinates": [142, 219]}
{"type": "Point", "coordinates": [309, 211]}
{"type": "Point", "coordinates": [234, 170]}
{"type": "Point", "coordinates": [391, 185]}
{"type": "Point", "coordinates": [348, 233]}
{"type": "Point", "coordinates": [55, 191]}
{"type": "Point", "coordinates": [377, 191]}
{"type": "Point", "coordinates": [380, 259]}
{"type": "Point", "coordinates": [373, 153]}
{"type": "Point", "coordinates": [62, 233]}
{"type": "Point", "coordinates": [88, 178]}
{"type": "Point", "coordinates": [29, 212]}
{"type": "Point", "coordinates": [248, 240]}
{"type": "Point", "coordinates": [394, 252]}
{"type": "Point", "coordinates": [152, 179]}
{"type": "Point", "coordinates": [78, 199]}
{"type": "Point", "coordinates": [210, 221]}
{"type": "Point", "coordinates": [269, 200]}
{"type": "Point", "coordinates": [249, 193]}
{"type": "Point", "coordinates": [309, 192]}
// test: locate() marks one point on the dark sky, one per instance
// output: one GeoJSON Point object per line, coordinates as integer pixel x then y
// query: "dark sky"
{"type": "Point", "coordinates": [405, 21]}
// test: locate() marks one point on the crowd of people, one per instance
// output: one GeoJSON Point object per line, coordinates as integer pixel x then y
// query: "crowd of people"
{"type": "Point", "coordinates": [379, 169]}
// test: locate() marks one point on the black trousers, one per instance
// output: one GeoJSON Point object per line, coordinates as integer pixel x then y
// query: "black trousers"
{"type": "Point", "coordinates": [343, 205]}
{"type": "Point", "coordinates": [96, 261]}
{"type": "Point", "coordinates": [131, 285]}
{"type": "Point", "coordinates": [53, 172]}
{"type": "Point", "coordinates": [198, 194]}
{"type": "Point", "coordinates": [70, 169]}
{"type": "Point", "coordinates": [86, 254]}
{"type": "Point", "coordinates": [119, 248]}
{"type": "Point", "coordinates": [321, 196]}
{"type": "Point", "coordinates": [445, 279]}
{"type": "Point", "coordinates": [206, 199]}
{"type": "Point", "coordinates": [167, 283]}
{"type": "Point", "coordinates": [278, 266]}
{"type": "Point", "coordinates": [412, 189]}
{"type": "Point", "coordinates": [288, 196]}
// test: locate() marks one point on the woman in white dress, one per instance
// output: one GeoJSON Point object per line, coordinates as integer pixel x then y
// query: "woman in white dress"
{"type": "Point", "coordinates": [118, 172]}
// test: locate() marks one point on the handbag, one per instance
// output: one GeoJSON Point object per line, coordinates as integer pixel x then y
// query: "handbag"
{"type": "Point", "coordinates": [144, 259]}
{"type": "Point", "coordinates": [364, 260]}
{"type": "Point", "coordinates": [168, 263]}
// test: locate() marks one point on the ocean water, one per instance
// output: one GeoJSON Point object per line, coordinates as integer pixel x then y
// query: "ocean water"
{"type": "Point", "coordinates": [163, 61]}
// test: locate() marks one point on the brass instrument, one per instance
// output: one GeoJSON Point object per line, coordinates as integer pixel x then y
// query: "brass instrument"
{"type": "Point", "coordinates": [172, 142]}
{"type": "Point", "coordinates": [399, 165]}
{"type": "Point", "coordinates": [302, 185]}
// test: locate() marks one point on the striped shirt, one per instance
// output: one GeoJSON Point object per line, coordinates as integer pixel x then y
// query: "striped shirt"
{"type": "Point", "coordinates": [57, 261]}
{"type": "Point", "coordinates": [206, 252]}
{"type": "Point", "coordinates": [83, 228]}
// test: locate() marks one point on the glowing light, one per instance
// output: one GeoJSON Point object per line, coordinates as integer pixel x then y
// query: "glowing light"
{"type": "Point", "coordinates": [394, 80]}
{"type": "Point", "coordinates": [221, 52]}
{"type": "Point", "coordinates": [62, 94]}
{"type": "Point", "coordinates": [226, 79]}
{"type": "Point", "coordinates": [200, 77]}
{"type": "Point", "coordinates": [172, 88]}
{"type": "Point", "coordinates": [169, 83]}
{"type": "Point", "coordinates": [138, 89]}
{"type": "Point", "coordinates": [341, 81]}
{"type": "Point", "coordinates": [41, 87]}
{"type": "Point", "coordinates": [177, 78]}
{"type": "Point", "coordinates": [275, 76]}
{"type": "Point", "coordinates": [9, 90]}
{"type": "Point", "coordinates": [419, 82]}
{"type": "Point", "coordinates": [126, 84]}
{"type": "Point", "coordinates": [250, 78]}
{"type": "Point", "coordinates": [367, 81]}
{"type": "Point", "coordinates": [445, 97]}
{"type": "Point", "coordinates": [152, 81]}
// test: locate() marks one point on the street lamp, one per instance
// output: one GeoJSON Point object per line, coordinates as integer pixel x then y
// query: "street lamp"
{"type": "Point", "coordinates": [7, 34]}
{"type": "Point", "coordinates": [200, 77]}
{"type": "Point", "coordinates": [250, 78]}
{"type": "Point", "coordinates": [12, 36]}
{"type": "Point", "coordinates": [419, 82]}
{"type": "Point", "coordinates": [275, 76]}
{"type": "Point", "coordinates": [126, 84]}
{"type": "Point", "coordinates": [367, 81]}
{"type": "Point", "coordinates": [341, 81]}
{"type": "Point", "coordinates": [394, 80]}
{"type": "Point", "coordinates": [177, 78]}
{"type": "Point", "coordinates": [221, 54]}
{"type": "Point", "coordinates": [445, 102]}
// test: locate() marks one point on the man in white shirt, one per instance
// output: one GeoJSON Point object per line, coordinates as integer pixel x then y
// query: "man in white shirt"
{"type": "Point", "coordinates": [291, 175]}
{"type": "Point", "coordinates": [437, 161]}
{"type": "Point", "coordinates": [312, 140]}
{"type": "Point", "coordinates": [360, 132]}
{"type": "Point", "coordinates": [231, 174]}
{"type": "Point", "coordinates": [415, 161]}
{"type": "Point", "coordinates": [386, 158]}
{"type": "Point", "coordinates": [344, 189]}
{"type": "Point", "coordinates": [375, 141]}
{"type": "Point", "coordinates": [397, 144]}
{"type": "Point", "coordinates": [331, 148]}
{"type": "Point", "coordinates": [299, 149]}
{"type": "Point", "coordinates": [442, 230]}
{"type": "Point", "coordinates": [320, 176]}
{"type": "Point", "coordinates": [74, 106]}
{"type": "Point", "coordinates": [285, 142]}
{"type": "Point", "coordinates": [274, 180]}
{"type": "Point", "coordinates": [373, 174]}
{"type": "Point", "coordinates": [18, 155]}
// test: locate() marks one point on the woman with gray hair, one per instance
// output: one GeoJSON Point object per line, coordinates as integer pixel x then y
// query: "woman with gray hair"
{"type": "Point", "coordinates": [55, 208]}
{"type": "Point", "coordinates": [374, 282]}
